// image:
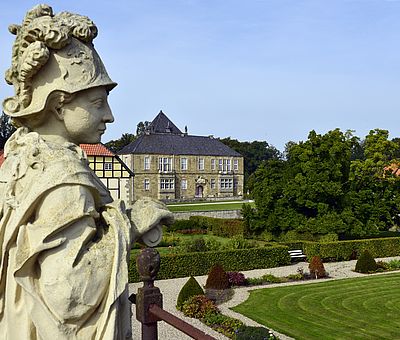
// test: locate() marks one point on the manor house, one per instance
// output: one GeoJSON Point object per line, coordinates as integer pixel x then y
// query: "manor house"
{"type": "Point", "coordinates": [172, 165]}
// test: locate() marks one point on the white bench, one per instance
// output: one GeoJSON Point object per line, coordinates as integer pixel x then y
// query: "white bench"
{"type": "Point", "coordinates": [296, 254]}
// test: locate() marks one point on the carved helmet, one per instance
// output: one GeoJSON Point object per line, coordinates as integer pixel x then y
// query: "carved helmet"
{"type": "Point", "coordinates": [52, 53]}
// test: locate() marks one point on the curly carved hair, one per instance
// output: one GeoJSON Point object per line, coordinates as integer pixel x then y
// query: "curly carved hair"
{"type": "Point", "coordinates": [41, 31]}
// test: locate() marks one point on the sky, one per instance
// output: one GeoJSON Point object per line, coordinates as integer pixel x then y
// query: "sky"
{"type": "Point", "coordinates": [268, 70]}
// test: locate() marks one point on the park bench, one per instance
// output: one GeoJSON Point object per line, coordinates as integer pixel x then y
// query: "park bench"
{"type": "Point", "coordinates": [296, 255]}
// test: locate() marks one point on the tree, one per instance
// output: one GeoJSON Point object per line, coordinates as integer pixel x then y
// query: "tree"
{"type": "Point", "coordinates": [373, 192]}
{"type": "Point", "coordinates": [142, 127]}
{"type": "Point", "coordinates": [254, 153]}
{"type": "Point", "coordinates": [6, 129]}
{"type": "Point", "coordinates": [306, 192]}
{"type": "Point", "coordinates": [117, 144]}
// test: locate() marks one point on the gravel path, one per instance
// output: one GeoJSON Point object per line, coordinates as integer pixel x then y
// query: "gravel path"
{"type": "Point", "coordinates": [170, 289]}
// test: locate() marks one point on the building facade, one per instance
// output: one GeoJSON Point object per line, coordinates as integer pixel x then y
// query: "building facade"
{"type": "Point", "coordinates": [171, 165]}
{"type": "Point", "coordinates": [111, 170]}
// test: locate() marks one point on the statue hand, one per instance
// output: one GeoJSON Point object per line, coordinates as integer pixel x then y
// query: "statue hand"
{"type": "Point", "coordinates": [147, 217]}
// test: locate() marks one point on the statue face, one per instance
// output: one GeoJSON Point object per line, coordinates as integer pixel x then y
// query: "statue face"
{"type": "Point", "coordinates": [85, 117]}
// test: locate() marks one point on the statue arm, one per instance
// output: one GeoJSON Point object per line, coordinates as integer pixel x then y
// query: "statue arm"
{"type": "Point", "coordinates": [75, 274]}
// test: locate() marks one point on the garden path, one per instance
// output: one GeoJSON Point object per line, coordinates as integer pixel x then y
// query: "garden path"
{"type": "Point", "coordinates": [170, 289]}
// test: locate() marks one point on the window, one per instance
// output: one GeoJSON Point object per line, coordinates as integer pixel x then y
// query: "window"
{"type": "Point", "coordinates": [201, 163]}
{"type": "Point", "coordinates": [226, 183]}
{"type": "Point", "coordinates": [184, 184]}
{"type": "Point", "coordinates": [167, 184]}
{"type": "Point", "coordinates": [146, 184]}
{"type": "Point", "coordinates": [213, 164]}
{"type": "Point", "coordinates": [228, 165]}
{"type": "Point", "coordinates": [220, 164]}
{"type": "Point", "coordinates": [236, 164]}
{"type": "Point", "coordinates": [165, 164]}
{"type": "Point", "coordinates": [147, 163]}
{"type": "Point", "coordinates": [212, 183]}
{"type": "Point", "coordinates": [108, 166]}
{"type": "Point", "coordinates": [184, 164]}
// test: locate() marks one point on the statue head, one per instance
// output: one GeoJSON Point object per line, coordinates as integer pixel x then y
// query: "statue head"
{"type": "Point", "coordinates": [52, 54]}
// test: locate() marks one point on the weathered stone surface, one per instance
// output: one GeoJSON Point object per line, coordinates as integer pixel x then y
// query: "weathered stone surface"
{"type": "Point", "coordinates": [64, 242]}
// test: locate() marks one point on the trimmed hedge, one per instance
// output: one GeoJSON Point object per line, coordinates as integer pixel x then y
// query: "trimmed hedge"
{"type": "Point", "coordinates": [224, 227]}
{"type": "Point", "coordinates": [343, 250]}
{"type": "Point", "coordinates": [182, 265]}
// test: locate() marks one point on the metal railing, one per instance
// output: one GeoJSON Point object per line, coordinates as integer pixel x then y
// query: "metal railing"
{"type": "Point", "coordinates": [148, 301]}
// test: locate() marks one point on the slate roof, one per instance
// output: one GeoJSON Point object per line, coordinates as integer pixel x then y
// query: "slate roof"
{"type": "Point", "coordinates": [171, 144]}
{"type": "Point", "coordinates": [164, 138]}
{"type": "Point", "coordinates": [96, 150]}
{"type": "Point", "coordinates": [162, 124]}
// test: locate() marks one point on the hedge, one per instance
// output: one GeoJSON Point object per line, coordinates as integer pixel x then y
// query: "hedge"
{"type": "Point", "coordinates": [183, 265]}
{"type": "Point", "coordinates": [347, 250]}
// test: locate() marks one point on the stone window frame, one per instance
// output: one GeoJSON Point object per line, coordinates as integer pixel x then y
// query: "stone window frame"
{"type": "Point", "coordinates": [184, 163]}
{"type": "Point", "coordinates": [146, 163]}
{"type": "Point", "coordinates": [184, 184]}
{"type": "Point", "coordinates": [146, 184]}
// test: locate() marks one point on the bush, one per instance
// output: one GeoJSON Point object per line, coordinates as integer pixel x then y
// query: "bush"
{"type": "Point", "coordinates": [253, 333]}
{"type": "Point", "coordinates": [193, 244]}
{"type": "Point", "coordinates": [222, 323]}
{"type": "Point", "coordinates": [255, 281]}
{"type": "Point", "coordinates": [189, 224]}
{"type": "Point", "coordinates": [191, 288]}
{"type": "Point", "coordinates": [217, 278]}
{"type": "Point", "coordinates": [332, 237]}
{"type": "Point", "coordinates": [236, 279]}
{"type": "Point", "coordinates": [366, 263]}
{"type": "Point", "coordinates": [269, 278]}
{"type": "Point", "coordinates": [316, 267]}
{"type": "Point", "coordinates": [239, 242]}
{"type": "Point", "coordinates": [227, 227]}
{"type": "Point", "coordinates": [183, 265]}
{"type": "Point", "coordinates": [198, 307]}
{"type": "Point", "coordinates": [394, 264]}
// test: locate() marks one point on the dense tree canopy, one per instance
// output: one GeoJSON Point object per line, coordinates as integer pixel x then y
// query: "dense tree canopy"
{"type": "Point", "coordinates": [323, 188]}
{"type": "Point", "coordinates": [254, 153]}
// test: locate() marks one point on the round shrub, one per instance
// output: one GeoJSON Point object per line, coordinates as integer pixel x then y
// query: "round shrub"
{"type": "Point", "coordinates": [190, 288]}
{"type": "Point", "coordinates": [236, 279]}
{"type": "Point", "coordinates": [217, 278]}
{"type": "Point", "coordinates": [316, 267]}
{"type": "Point", "coordinates": [366, 263]}
{"type": "Point", "coordinates": [198, 307]}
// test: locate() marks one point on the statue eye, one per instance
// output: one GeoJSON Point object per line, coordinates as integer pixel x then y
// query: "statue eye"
{"type": "Point", "coordinates": [98, 102]}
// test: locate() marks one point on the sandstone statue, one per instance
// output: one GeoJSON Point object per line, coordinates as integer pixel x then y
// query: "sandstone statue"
{"type": "Point", "coordinates": [64, 242]}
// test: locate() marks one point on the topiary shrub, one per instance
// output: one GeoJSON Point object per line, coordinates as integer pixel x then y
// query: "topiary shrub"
{"type": "Point", "coordinates": [316, 268]}
{"type": "Point", "coordinates": [198, 307]}
{"type": "Point", "coordinates": [253, 333]}
{"type": "Point", "coordinates": [236, 279]}
{"type": "Point", "coordinates": [217, 278]}
{"type": "Point", "coordinates": [190, 288]}
{"type": "Point", "coordinates": [366, 263]}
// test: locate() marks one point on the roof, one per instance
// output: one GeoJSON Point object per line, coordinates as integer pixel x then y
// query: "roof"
{"type": "Point", "coordinates": [162, 124]}
{"type": "Point", "coordinates": [96, 150]}
{"type": "Point", "coordinates": [182, 144]}
{"type": "Point", "coordinates": [1, 157]}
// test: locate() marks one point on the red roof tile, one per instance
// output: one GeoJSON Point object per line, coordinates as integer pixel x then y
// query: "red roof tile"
{"type": "Point", "coordinates": [96, 150]}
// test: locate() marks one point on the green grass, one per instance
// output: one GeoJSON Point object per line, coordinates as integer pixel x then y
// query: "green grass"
{"type": "Point", "coordinates": [206, 207]}
{"type": "Point", "coordinates": [360, 308]}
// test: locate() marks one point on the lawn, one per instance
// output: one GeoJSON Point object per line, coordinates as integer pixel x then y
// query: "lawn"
{"type": "Point", "coordinates": [206, 206]}
{"type": "Point", "coordinates": [360, 308]}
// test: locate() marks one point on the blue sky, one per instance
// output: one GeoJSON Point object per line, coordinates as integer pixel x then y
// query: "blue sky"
{"type": "Point", "coordinates": [253, 70]}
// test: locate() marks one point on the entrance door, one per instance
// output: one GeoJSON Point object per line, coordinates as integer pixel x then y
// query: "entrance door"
{"type": "Point", "coordinates": [199, 191]}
